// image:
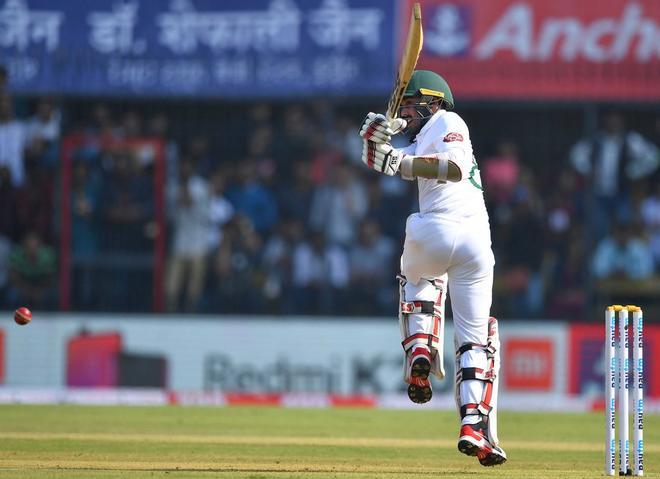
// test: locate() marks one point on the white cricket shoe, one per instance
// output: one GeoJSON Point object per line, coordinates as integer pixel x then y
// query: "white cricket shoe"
{"type": "Point", "coordinates": [473, 442]}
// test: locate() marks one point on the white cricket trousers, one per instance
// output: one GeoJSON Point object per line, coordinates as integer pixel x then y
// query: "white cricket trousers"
{"type": "Point", "coordinates": [436, 244]}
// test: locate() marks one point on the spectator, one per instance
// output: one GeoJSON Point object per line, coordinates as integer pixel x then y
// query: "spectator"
{"type": "Point", "coordinates": [339, 205]}
{"type": "Point", "coordinates": [32, 273]}
{"type": "Point", "coordinates": [131, 125]}
{"type": "Point", "coordinates": [237, 134]}
{"type": "Point", "coordinates": [292, 141]}
{"type": "Point", "coordinates": [189, 203]}
{"type": "Point", "coordinates": [221, 210]}
{"type": "Point", "coordinates": [501, 173]}
{"type": "Point", "coordinates": [8, 198]}
{"type": "Point", "coordinates": [199, 150]}
{"type": "Point", "coordinates": [127, 201]}
{"type": "Point", "coordinates": [4, 79]}
{"type": "Point", "coordinates": [612, 161]}
{"type": "Point", "coordinates": [236, 279]}
{"type": "Point", "coordinates": [127, 213]}
{"type": "Point", "coordinates": [320, 276]}
{"type": "Point", "coordinates": [5, 251]}
{"type": "Point", "coordinates": [12, 142]}
{"type": "Point", "coordinates": [260, 146]}
{"type": "Point", "coordinates": [102, 123]}
{"type": "Point", "coordinates": [389, 211]}
{"type": "Point", "coordinates": [43, 134]}
{"type": "Point", "coordinates": [325, 158]}
{"type": "Point", "coordinates": [520, 277]}
{"type": "Point", "coordinates": [252, 199]}
{"type": "Point", "coordinates": [85, 197]}
{"type": "Point", "coordinates": [622, 255]}
{"type": "Point", "coordinates": [277, 264]}
{"type": "Point", "coordinates": [347, 141]}
{"type": "Point", "coordinates": [158, 127]}
{"type": "Point", "coordinates": [650, 215]}
{"type": "Point", "coordinates": [372, 267]}
{"type": "Point", "coordinates": [34, 204]}
{"type": "Point", "coordinates": [567, 296]}
{"type": "Point", "coordinates": [295, 198]}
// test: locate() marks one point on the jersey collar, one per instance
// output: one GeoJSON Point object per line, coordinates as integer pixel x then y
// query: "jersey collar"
{"type": "Point", "coordinates": [431, 121]}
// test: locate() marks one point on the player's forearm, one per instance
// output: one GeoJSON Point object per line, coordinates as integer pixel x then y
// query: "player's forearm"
{"type": "Point", "coordinates": [440, 166]}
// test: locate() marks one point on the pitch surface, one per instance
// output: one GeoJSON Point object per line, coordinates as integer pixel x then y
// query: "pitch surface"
{"type": "Point", "coordinates": [263, 443]}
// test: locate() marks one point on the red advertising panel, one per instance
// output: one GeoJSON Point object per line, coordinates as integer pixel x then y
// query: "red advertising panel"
{"type": "Point", "coordinates": [528, 365]}
{"type": "Point", "coordinates": [92, 360]}
{"type": "Point", "coordinates": [536, 49]}
{"type": "Point", "coordinates": [587, 359]}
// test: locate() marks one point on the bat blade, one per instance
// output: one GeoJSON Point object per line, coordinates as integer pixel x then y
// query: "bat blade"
{"type": "Point", "coordinates": [411, 52]}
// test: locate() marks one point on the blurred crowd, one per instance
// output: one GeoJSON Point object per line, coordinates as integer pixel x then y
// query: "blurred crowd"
{"type": "Point", "coordinates": [275, 214]}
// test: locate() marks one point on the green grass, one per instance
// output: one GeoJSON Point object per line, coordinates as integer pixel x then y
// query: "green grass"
{"type": "Point", "coordinates": [266, 443]}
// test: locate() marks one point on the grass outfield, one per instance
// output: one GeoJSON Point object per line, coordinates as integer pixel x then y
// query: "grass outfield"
{"type": "Point", "coordinates": [39, 442]}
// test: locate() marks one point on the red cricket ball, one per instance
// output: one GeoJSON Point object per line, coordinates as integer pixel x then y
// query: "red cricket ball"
{"type": "Point", "coordinates": [22, 316]}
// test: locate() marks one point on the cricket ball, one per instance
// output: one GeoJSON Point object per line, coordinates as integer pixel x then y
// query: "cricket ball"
{"type": "Point", "coordinates": [22, 316]}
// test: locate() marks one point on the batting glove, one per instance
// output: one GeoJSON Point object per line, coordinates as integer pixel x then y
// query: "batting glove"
{"type": "Point", "coordinates": [379, 129]}
{"type": "Point", "coordinates": [382, 157]}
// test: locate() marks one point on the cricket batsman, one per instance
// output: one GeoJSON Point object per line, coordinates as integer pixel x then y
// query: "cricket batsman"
{"type": "Point", "coordinates": [447, 245]}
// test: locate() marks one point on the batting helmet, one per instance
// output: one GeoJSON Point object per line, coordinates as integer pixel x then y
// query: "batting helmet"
{"type": "Point", "coordinates": [428, 83]}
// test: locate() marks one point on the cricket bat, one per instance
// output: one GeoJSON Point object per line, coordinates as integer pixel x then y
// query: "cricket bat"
{"type": "Point", "coordinates": [408, 61]}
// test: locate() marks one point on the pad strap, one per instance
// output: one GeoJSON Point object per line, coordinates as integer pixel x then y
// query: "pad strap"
{"type": "Point", "coordinates": [415, 307]}
{"type": "Point", "coordinates": [484, 407]}
{"type": "Point", "coordinates": [475, 373]}
{"type": "Point", "coordinates": [488, 376]}
{"type": "Point", "coordinates": [429, 340]}
{"type": "Point", "coordinates": [490, 350]}
{"type": "Point", "coordinates": [419, 307]}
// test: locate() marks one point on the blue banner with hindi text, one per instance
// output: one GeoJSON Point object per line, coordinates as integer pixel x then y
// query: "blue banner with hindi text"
{"type": "Point", "coordinates": [199, 48]}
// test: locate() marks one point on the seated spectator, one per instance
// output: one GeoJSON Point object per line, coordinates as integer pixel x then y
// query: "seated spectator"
{"type": "Point", "coordinates": [189, 202]}
{"type": "Point", "coordinates": [12, 142]}
{"type": "Point", "coordinates": [373, 268]}
{"type": "Point", "coordinates": [32, 273]}
{"type": "Point", "coordinates": [622, 255]}
{"type": "Point", "coordinates": [252, 199]}
{"type": "Point", "coordinates": [320, 276]}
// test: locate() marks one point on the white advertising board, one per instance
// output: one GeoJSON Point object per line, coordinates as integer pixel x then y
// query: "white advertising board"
{"type": "Point", "coordinates": [269, 354]}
